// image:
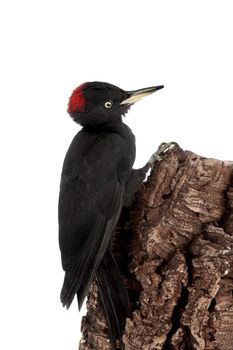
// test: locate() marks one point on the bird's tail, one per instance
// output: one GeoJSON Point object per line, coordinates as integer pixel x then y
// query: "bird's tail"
{"type": "Point", "coordinates": [114, 297]}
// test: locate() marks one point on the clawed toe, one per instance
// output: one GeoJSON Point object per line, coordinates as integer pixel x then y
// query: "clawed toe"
{"type": "Point", "coordinates": [162, 149]}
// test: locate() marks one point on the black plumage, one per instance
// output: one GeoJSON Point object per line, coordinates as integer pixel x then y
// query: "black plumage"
{"type": "Point", "coordinates": [97, 180]}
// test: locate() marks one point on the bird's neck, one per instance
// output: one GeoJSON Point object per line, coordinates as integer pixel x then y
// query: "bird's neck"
{"type": "Point", "coordinates": [112, 126]}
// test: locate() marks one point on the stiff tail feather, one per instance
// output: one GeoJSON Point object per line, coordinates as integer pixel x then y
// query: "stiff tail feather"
{"type": "Point", "coordinates": [114, 297]}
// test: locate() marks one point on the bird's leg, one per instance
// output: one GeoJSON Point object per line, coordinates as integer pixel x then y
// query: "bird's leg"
{"type": "Point", "coordinates": [138, 175]}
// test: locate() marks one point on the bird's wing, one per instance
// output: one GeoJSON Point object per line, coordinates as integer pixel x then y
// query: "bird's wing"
{"type": "Point", "coordinates": [90, 202]}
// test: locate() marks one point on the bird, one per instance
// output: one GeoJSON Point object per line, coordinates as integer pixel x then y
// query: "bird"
{"type": "Point", "coordinates": [97, 181]}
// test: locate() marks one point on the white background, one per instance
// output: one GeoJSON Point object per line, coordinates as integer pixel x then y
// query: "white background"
{"type": "Point", "coordinates": [47, 49]}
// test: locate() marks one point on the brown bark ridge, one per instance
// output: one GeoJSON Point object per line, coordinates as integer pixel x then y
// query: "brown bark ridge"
{"type": "Point", "coordinates": [175, 249]}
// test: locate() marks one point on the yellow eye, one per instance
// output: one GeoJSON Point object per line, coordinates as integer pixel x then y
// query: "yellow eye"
{"type": "Point", "coordinates": [108, 104]}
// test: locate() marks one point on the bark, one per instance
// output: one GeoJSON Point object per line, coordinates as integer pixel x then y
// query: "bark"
{"type": "Point", "coordinates": [175, 249]}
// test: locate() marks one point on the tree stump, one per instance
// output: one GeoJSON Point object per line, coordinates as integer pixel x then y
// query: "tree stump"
{"type": "Point", "coordinates": [174, 247]}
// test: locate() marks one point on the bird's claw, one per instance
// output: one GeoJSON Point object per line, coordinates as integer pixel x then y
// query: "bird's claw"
{"type": "Point", "coordinates": [162, 149]}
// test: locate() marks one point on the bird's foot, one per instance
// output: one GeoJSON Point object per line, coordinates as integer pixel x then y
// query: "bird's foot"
{"type": "Point", "coordinates": [162, 149]}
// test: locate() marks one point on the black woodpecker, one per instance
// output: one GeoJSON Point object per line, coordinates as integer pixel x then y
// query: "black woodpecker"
{"type": "Point", "coordinates": [97, 181]}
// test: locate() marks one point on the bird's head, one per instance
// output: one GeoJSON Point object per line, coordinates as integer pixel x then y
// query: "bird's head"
{"type": "Point", "coordinates": [97, 103]}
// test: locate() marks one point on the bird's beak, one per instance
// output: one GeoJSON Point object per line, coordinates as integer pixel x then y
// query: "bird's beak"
{"type": "Point", "coordinates": [136, 95]}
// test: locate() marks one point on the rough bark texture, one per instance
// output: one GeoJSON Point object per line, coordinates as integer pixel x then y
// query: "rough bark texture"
{"type": "Point", "coordinates": [175, 249]}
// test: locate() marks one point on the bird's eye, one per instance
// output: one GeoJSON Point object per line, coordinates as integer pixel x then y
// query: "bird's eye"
{"type": "Point", "coordinates": [108, 104]}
